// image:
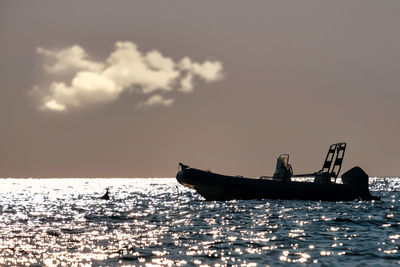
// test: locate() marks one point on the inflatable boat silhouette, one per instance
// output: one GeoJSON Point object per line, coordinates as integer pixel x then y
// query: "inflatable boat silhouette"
{"type": "Point", "coordinates": [324, 187]}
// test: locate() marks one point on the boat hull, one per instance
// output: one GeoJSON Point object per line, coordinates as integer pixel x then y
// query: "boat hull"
{"type": "Point", "coordinates": [214, 186]}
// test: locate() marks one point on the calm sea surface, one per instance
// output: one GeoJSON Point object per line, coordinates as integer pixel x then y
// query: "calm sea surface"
{"type": "Point", "coordinates": [156, 222]}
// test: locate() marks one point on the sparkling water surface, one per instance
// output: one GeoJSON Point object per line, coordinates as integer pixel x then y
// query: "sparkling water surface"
{"type": "Point", "coordinates": [157, 222]}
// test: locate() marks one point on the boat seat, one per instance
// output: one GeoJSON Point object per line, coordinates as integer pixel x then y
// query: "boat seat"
{"type": "Point", "coordinates": [333, 162]}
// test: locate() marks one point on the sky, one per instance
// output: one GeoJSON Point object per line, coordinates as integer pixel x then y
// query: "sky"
{"type": "Point", "coordinates": [131, 88]}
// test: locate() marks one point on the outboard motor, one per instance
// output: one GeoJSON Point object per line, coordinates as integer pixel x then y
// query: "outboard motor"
{"type": "Point", "coordinates": [283, 170]}
{"type": "Point", "coordinates": [359, 179]}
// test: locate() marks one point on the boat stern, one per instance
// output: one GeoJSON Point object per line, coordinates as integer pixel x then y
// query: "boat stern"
{"type": "Point", "coordinates": [357, 178]}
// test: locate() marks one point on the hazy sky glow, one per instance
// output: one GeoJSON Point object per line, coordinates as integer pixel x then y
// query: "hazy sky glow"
{"type": "Point", "coordinates": [130, 88]}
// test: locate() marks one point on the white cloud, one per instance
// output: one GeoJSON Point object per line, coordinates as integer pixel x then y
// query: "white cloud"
{"type": "Point", "coordinates": [187, 84]}
{"type": "Point", "coordinates": [86, 88]}
{"type": "Point", "coordinates": [53, 105]}
{"type": "Point", "coordinates": [69, 59]}
{"type": "Point", "coordinates": [150, 72]}
{"type": "Point", "coordinates": [210, 71]}
{"type": "Point", "coordinates": [157, 100]}
{"type": "Point", "coordinates": [126, 68]}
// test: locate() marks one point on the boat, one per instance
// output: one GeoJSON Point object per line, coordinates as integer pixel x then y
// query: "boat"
{"type": "Point", "coordinates": [321, 185]}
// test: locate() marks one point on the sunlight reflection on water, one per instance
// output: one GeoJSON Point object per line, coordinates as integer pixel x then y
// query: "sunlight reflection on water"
{"type": "Point", "coordinates": [158, 222]}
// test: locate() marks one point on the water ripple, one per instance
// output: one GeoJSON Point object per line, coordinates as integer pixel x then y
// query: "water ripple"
{"type": "Point", "coordinates": [156, 222]}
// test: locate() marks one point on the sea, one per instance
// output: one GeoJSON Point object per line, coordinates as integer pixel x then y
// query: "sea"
{"type": "Point", "coordinates": [158, 222]}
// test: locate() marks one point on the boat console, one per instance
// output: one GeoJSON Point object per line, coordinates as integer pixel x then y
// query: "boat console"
{"type": "Point", "coordinates": [328, 174]}
{"type": "Point", "coordinates": [283, 171]}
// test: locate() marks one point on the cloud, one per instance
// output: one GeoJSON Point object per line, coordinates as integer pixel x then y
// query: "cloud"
{"type": "Point", "coordinates": [126, 69]}
{"type": "Point", "coordinates": [157, 100]}
{"type": "Point", "coordinates": [210, 71]}
{"type": "Point", "coordinates": [69, 59]}
{"type": "Point", "coordinates": [150, 72]}
{"type": "Point", "coordinates": [86, 88]}
{"type": "Point", "coordinates": [187, 84]}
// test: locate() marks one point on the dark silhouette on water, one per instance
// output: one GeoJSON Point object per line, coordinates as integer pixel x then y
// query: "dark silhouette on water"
{"type": "Point", "coordinates": [214, 186]}
{"type": "Point", "coordinates": [106, 196]}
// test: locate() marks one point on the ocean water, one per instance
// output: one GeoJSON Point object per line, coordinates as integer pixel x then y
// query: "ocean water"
{"type": "Point", "coordinates": [157, 222]}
